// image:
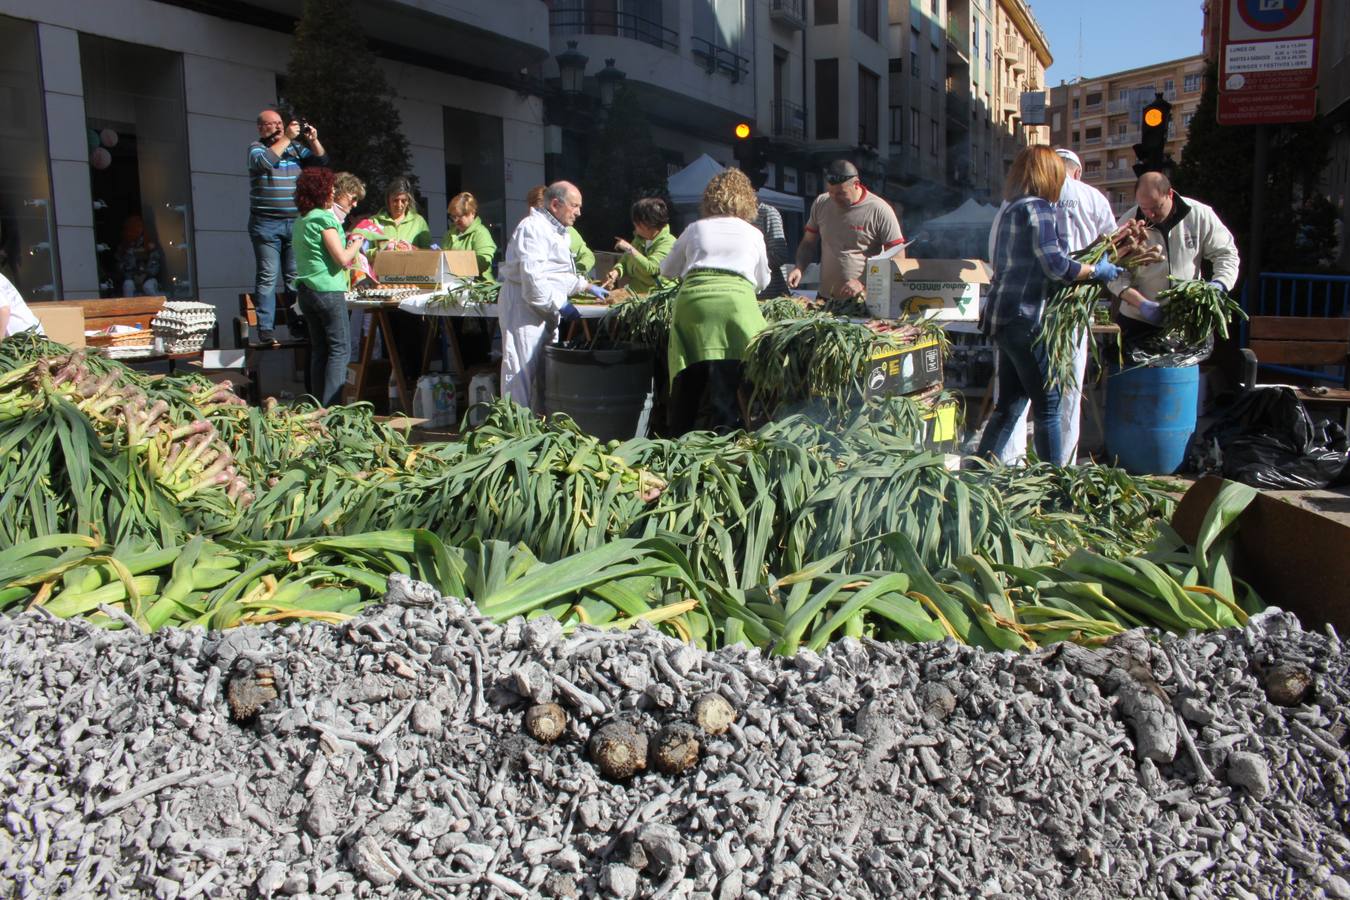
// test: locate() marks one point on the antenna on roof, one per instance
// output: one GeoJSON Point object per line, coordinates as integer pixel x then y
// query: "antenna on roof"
{"type": "Point", "coordinates": [1080, 48]}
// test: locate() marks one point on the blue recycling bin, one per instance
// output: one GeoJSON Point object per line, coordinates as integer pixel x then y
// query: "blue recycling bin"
{"type": "Point", "coordinates": [1150, 417]}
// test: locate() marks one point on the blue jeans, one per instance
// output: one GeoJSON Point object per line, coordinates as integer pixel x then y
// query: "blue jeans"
{"type": "Point", "coordinates": [330, 343]}
{"type": "Point", "coordinates": [272, 250]}
{"type": "Point", "coordinates": [1023, 375]}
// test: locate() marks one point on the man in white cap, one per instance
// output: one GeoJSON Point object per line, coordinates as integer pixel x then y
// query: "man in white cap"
{"type": "Point", "coordinates": [1083, 214]}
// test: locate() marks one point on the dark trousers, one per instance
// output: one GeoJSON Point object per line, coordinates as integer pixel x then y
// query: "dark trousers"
{"type": "Point", "coordinates": [1023, 376]}
{"type": "Point", "coordinates": [709, 388]}
{"type": "Point", "coordinates": [330, 343]}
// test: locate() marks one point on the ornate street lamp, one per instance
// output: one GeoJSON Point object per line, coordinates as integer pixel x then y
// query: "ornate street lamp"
{"type": "Point", "coordinates": [609, 78]}
{"type": "Point", "coordinates": [572, 69]}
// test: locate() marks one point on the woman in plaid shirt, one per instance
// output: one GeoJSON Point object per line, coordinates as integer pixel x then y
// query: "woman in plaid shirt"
{"type": "Point", "coordinates": [1029, 260]}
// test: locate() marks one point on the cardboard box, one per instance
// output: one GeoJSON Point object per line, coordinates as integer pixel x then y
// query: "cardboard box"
{"type": "Point", "coordinates": [939, 426]}
{"type": "Point", "coordinates": [944, 289]}
{"type": "Point", "coordinates": [433, 268]}
{"type": "Point", "coordinates": [904, 370]}
{"type": "Point", "coordinates": [62, 322]}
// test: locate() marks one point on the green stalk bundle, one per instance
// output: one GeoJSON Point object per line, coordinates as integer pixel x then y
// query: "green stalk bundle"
{"type": "Point", "coordinates": [1194, 310]}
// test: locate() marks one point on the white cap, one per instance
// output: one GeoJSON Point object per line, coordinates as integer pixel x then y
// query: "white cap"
{"type": "Point", "coordinates": [1069, 157]}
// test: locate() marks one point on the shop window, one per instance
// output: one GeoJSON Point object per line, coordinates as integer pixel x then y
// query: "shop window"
{"type": "Point", "coordinates": [140, 185]}
{"type": "Point", "coordinates": [28, 251]}
{"type": "Point", "coordinates": [475, 161]}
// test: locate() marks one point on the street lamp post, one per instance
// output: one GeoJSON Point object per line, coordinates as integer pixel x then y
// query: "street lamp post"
{"type": "Point", "coordinates": [609, 79]}
{"type": "Point", "coordinates": [572, 70]}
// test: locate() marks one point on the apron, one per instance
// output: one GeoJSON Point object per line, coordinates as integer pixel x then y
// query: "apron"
{"type": "Point", "coordinates": [716, 314]}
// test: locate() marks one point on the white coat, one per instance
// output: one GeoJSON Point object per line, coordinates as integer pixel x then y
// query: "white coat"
{"type": "Point", "coordinates": [1198, 235]}
{"type": "Point", "coordinates": [537, 278]}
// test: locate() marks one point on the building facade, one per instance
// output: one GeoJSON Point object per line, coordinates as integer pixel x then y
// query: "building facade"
{"type": "Point", "coordinates": [134, 111]}
{"type": "Point", "coordinates": [1100, 120]}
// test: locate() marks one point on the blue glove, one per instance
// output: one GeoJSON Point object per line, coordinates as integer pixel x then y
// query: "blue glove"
{"type": "Point", "coordinates": [1106, 271]}
{"type": "Point", "coordinates": [569, 313]}
{"type": "Point", "coordinates": [599, 292]}
{"type": "Point", "coordinates": [1151, 312]}
{"type": "Point", "coordinates": [1219, 285]}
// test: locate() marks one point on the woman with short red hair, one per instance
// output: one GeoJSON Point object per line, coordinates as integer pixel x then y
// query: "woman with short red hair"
{"type": "Point", "coordinates": [321, 261]}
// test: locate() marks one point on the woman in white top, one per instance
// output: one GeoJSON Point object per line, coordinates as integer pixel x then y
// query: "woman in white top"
{"type": "Point", "coordinates": [15, 316]}
{"type": "Point", "coordinates": [723, 264]}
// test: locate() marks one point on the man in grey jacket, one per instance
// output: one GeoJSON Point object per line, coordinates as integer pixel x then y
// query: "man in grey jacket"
{"type": "Point", "coordinates": [1189, 234]}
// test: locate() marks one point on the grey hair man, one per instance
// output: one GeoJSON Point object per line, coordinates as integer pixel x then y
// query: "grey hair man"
{"type": "Point", "coordinates": [538, 280]}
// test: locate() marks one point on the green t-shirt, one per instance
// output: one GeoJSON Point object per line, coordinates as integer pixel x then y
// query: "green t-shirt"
{"type": "Point", "coordinates": [313, 266]}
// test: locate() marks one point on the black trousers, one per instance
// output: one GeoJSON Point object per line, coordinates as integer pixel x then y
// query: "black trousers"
{"type": "Point", "coordinates": [708, 388]}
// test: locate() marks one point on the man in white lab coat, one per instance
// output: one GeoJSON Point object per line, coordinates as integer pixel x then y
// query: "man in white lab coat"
{"type": "Point", "coordinates": [538, 277]}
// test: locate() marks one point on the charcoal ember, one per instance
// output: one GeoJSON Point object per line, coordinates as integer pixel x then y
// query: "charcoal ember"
{"type": "Point", "coordinates": [390, 761]}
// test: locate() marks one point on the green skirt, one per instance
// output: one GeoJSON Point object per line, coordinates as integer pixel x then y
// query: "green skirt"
{"type": "Point", "coordinates": [716, 315]}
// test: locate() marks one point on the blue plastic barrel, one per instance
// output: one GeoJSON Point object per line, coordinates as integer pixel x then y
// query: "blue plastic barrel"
{"type": "Point", "coordinates": [1150, 417]}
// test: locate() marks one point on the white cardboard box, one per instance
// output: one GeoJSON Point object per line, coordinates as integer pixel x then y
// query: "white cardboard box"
{"type": "Point", "coordinates": [943, 289]}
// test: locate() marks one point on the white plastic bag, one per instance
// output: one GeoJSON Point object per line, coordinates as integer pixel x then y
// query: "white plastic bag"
{"type": "Point", "coordinates": [434, 400]}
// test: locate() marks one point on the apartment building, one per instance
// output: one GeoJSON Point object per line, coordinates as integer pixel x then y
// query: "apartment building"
{"type": "Point", "coordinates": [1100, 120]}
{"type": "Point", "coordinates": [135, 108]}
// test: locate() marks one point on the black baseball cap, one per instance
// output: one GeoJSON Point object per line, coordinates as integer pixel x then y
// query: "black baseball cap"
{"type": "Point", "coordinates": [840, 171]}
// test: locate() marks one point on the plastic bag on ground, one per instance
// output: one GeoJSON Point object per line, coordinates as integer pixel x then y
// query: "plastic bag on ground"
{"type": "Point", "coordinates": [1158, 349]}
{"type": "Point", "coordinates": [1268, 440]}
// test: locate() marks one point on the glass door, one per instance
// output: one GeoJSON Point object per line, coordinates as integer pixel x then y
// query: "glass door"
{"type": "Point", "coordinates": [28, 252]}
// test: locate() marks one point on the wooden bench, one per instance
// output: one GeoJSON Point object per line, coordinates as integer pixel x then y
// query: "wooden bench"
{"type": "Point", "coordinates": [1301, 341]}
{"type": "Point", "coordinates": [104, 312]}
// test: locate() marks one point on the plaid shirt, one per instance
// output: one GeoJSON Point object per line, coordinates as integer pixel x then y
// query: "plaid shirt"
{"type": "Point", "coordinates": [1028, 256]}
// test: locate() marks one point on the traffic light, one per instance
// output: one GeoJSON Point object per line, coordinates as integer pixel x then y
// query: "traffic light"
{"type": "Point", "coordinates": [1151, 150]}
{"type": "Point", "coordinates": [752, 153]}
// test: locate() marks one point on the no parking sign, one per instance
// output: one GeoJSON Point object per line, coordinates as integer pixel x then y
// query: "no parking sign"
{"type": "Point", "coordinates": [1268, 67]}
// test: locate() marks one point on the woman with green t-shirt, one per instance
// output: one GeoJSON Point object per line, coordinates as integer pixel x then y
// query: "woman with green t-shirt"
{"type": "Point", "coordinates": [321, 263]}
{"type": "Point", "coordinates": [467, 232]}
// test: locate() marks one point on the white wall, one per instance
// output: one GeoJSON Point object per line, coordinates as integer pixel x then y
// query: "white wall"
{"type": "Point", "coordinates": [230, 72]}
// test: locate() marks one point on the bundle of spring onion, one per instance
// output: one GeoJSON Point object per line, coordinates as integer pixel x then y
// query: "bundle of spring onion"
{"type": "Point", "coordinates": [112, 506]}
{"type": "Point", "coordinates": [478, 292]}
{"type": "Point", "coordinates": [1069, 310]}
{"type": "Point", "coordinates": [1194, 310]}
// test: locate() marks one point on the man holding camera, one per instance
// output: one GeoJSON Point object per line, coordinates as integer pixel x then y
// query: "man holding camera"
{"type": "Point", "coordinates": [275, 159]}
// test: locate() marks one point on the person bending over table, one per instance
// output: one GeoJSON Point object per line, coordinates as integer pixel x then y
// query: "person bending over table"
{"type": "Point", "coordinates": [321, 262]}
{"type": "Point", "coordinates": [722, 262]}
{"type": "Point", "coordinates": [651, 244]}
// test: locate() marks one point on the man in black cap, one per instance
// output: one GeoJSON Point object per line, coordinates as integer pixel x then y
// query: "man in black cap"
{"type": "Point", "coordinates": [851, 224]}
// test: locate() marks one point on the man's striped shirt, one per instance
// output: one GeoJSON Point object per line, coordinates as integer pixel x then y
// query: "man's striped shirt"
{"type": "Point", "coordinates": [272, 178]}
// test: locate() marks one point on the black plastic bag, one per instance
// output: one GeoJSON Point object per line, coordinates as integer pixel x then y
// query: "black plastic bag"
{"type": "Point", "coordinates": [1268, 440]}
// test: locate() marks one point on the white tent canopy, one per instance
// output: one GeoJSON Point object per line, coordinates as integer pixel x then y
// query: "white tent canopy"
{"type": "Point", "coordinates": [970, 213]}
{"type": "Point", "coordinates": [686, 186]}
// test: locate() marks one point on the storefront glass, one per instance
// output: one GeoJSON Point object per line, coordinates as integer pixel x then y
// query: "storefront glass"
{"type": "Point", "coordinates": [135, 114]}
{"type": "Point", "coordinates": [28, 252]}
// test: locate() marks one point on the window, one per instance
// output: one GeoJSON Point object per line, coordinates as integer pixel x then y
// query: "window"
{"type": "Point", "coordinates": [914, 63]}
{"type": "Point", "coordinates": [869, 94]}
{"type": "Point", "coordinates": [988, 47]}
{"type": "Point", "coordinates": [827, 99]}
{"type": "Point", "coordinates": [867, 18]}
{"type": "Point", "coordinates": [986, 160]}
{"type": "Point", "coordinates": [1186, 119]}
{"type": "Point", "coordinates": [827, 12]}
{"type": "Point", "coordinates": [1093, 99]}
{"type": "Point", "coordinates": [1073, 139]}
{"type": "Point", "coordinates": [1169, 87]}
{"type": "Point", "coordinates": [897, 124]}
{"type": "Point", "coordinates": [934, 73]}
{"type": "Point", "coordinates": [1075, 107]}
{"type": "Point", "coordinates": [975, 43]}
{"type": "Point", "coordinates": [1191, 83]}
{"type": "Point", "coordinates": [1057, 121]}
{"type": "Point", "coordinates": [1092, 168]}
{"type": "Point", "coordinates": [896, 66]}
{"type": "Point", "coordinates": [914, 128]}
{"type": "Point", "coordinates": [1092, 136]}
{"type": "Point", "coordinates": [935, 137]}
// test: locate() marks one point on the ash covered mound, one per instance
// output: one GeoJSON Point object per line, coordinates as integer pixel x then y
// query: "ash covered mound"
{"type": "Point", "coordinates": [389, 757]}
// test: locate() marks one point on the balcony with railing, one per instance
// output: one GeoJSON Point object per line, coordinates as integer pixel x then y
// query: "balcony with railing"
{"type": "Point", "coordinates": [791, 13]}
{"type": "Point", "coordinates": [1012, 99]}
{"type": "Point", "coordinates": [1116, 107]}
{"type": "Point", "coordinates": [789, 121]}
{"type": "Point", "coordinates": [1119, 139]}
{"type": "Point", "coordinates": [716, 58]}
{"type": "Point", "coordinates": [613, 23]}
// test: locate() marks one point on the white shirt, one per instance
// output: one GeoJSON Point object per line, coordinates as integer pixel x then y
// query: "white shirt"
{"type": "Point", "coordinates": [1083, 214]}
{"type": "Point", "coordinates": [724, 243]}
{"type": "Point", "coordinates": [21, 318]}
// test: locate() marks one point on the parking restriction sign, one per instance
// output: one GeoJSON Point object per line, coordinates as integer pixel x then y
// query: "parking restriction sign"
{"type": "Point", "coordinates": [1268, 63]}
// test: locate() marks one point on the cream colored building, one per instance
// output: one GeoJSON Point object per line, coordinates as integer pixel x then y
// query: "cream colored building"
{"type": "Point", "coordinates": [1100, 120]}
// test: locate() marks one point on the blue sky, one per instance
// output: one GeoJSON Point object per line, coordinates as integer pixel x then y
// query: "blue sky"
{"type": "Point", "coordinates": [1117, 36]}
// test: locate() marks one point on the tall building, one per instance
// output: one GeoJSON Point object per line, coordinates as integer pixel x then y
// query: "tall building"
{"type": "Point", "coordinates": [135, 109]}
{"type": "Point", "coordinates": [957, 74]}
{"type": "Point", "coordinates": [1100, 120]}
